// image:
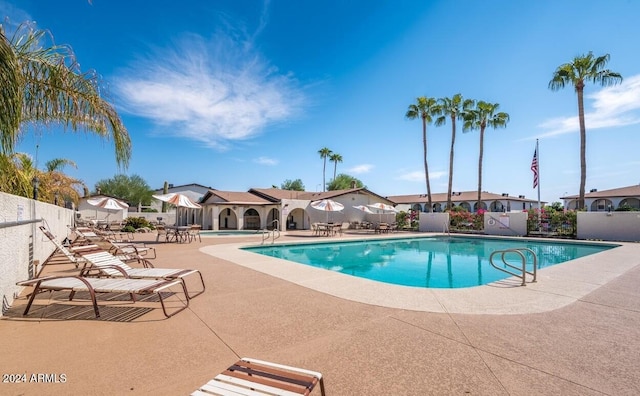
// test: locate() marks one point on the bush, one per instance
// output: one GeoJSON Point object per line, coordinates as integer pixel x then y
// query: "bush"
{"type": "Point", "coordinates": [128, 229]}
{"type": "Point", "coordinates": [460, 218]}
{"type": "Point", "coordinates": [561, 222]}
{"type": "Point", "coordinates": [137, 222]}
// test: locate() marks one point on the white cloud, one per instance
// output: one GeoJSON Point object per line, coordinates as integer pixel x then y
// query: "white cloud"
{"type": "Point", "coordinates": [213, 91]}
{"type": "Point", "coordinates": [612, 106]}
{"type": "Point", "coordinates": [266, 161]}
{"type": "Point", "coordinates": [359, 169]}
{"type": "Point", "coordinates": [419, 176]}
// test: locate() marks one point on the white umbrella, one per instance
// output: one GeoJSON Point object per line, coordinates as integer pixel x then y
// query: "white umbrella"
{"type": "Point", "coordinates": [107, 203]}
{"type": "Point", "coordinates": [179, 201]}
{"type": "Point", "coordinates": [382, 206]}
{"type": "Point", "coordinates": [327, 205]}
{"type": "Point", "coordinates": [364, 208]}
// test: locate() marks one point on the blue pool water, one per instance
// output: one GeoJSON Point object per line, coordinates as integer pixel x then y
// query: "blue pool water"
{"type": "Point", "coordinates": [437, 262]}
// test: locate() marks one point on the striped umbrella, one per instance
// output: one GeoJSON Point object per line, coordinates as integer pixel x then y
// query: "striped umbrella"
{"type": "Point", "coordinates": [381, 207]}
{"type": "Point", "coordinates": [327, 205]}
{"type": "Point", "coordinates": [364, 208]}
{"type": "Point", "coordinates": [179, 201]}
{"type": "Point", "coordinates": [107, 203]}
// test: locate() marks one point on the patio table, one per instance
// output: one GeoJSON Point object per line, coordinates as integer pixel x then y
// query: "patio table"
{"type": "Point", "coordinates": [178, 234]}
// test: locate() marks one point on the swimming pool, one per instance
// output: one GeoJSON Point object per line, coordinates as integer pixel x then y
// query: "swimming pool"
{"type": "Point", "coordinates": [429, 262]}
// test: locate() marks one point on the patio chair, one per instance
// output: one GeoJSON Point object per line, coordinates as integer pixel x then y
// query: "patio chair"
{"type": "Point", "coordinates": [77, 261]}
{"type": "Point", "coordinates": [105, 285]}
{"type": "Point", "coordinates": [120, 247]}
{"type": "Point", "coordinates": [256, 377]}
{"type": "Point", "coordinates": [344, 226]}
{"type": "Point", "coordinates": [91, 235]}
{"type": "Point", "coordinates": [194, 232]}
{"type": "Point", "coordinates": [102, 263]}
{"type": "Point", "coordinates": [161, 233]}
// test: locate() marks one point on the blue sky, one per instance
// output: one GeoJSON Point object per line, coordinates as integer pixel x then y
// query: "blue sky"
{"type": "Point", "coordinates": [240, 94]}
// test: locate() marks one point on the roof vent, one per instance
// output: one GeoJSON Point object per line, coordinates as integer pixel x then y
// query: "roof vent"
{"type": "Point", "coordinates": [594, 190]}
{"type": "Point", "coordinates": [521, 196]}
{"type": "Point", "coordinates": [505, 194]}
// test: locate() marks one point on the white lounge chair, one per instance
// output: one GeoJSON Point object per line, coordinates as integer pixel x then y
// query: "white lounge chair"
{"type": "Point", "coordinates": [256, 377]}
{"type": "Point", "coordinates": [103, 263]}
{"type": "Point", "coordinates": [77, 261]}
{"type": "Point", "coordinates": [105, 285]}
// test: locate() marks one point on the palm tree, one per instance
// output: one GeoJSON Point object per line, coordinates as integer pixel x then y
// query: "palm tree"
{"type": "Point", "coordinates": [424, 108]}
{"type": "Point", "coordinates": [335, 158]}
{"type": "Point", "coordinates": [56, 184]}
{"type": "Point", "coordinates": [324, 153]}
{"type": "Point", "coordinates": [44, 85]}
{"type": "Point", "coordinates": [576, 73]}
{"type": "Point", "coordinates": [454, 108]}
{"type": "Point", "coordinates": [482, 116]}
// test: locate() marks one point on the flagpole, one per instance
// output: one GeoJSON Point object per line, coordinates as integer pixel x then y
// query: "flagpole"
{"type": "Point", "coordinates": [538, 166]}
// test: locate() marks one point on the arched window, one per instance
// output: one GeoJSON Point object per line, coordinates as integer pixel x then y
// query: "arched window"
{"type": "Point", "coordinates": [483, 206]}
{"type": "Point", "coordinates": [251, 219]}
{"type": "Point", "coordinates": [630, 203]}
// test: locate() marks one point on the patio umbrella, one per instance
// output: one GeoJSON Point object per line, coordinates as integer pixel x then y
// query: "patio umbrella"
{"type": "Point", "coordinates": [383, 207]}
{"type": "Point", "coordinates": [179, 201]}
{"type": "Point", "coordinates": [107, 203]}
{"type": "Point", "coordinates": [327, 205]}
{"type": "Point", "coordinates": [364, 208]}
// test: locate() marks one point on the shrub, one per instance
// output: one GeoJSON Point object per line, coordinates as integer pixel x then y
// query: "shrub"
{"type": "Point", "coordinates": [137, 222]}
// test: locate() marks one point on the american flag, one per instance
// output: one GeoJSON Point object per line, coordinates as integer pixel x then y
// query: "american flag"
{"type": "Point", "coordinates": [534, 168]}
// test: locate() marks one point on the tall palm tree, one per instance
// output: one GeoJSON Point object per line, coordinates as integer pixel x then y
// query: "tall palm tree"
{"type": "Point", "coordinates": [454, 108]}
{"type": "Point", "coordinates": [576, 73]}
{"type": "Point", "coordinates": [335, 158]}
{"type": "Point", "coordinates": [424, 108]}
{"type": "Point", "coordinates": [324, 154]}
{"type": "Point", "coordinates": [44, 85]}
{"type": "Point", "coordinates": [480, 117]}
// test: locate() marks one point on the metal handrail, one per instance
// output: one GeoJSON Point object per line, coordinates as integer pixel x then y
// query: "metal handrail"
{"type": "Point", "coordinates": [272, 233]}
{"type": "Point", "coordinates": [445, 227]}
{"type": "Point", "coordinates": [7, 224]}
{"type": "Point", "coordinates": [522, 274]}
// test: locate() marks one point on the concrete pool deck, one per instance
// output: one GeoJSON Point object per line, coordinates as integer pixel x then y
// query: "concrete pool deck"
{"type": "Point", "coordinates": [589, 346]}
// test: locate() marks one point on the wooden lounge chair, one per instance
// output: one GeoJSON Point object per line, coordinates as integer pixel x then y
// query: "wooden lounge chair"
{"type": "Point", "coordinates": [256, 377]}
{"type": "Point", "coordinates": [102, 263]}
{"type": "Point", "coordinates": [105, 285]}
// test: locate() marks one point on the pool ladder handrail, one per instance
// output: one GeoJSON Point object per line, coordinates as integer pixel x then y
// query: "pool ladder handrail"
{"type": "Point", "coordinates": [275, 231]}
{"type": "Point", "coordinates": [445, 228]}
{"type": "Point", "coordinates": [522, 270]}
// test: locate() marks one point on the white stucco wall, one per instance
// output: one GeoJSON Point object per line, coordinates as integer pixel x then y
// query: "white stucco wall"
{"type": "Point", "coordinates": [609, 226]}
{"type": "Point", "coordinates": [433, 222]}
{"type": "Point", "coordinates": [507, 224]}
{"type": "Point", "coordinates": [23, 244]}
